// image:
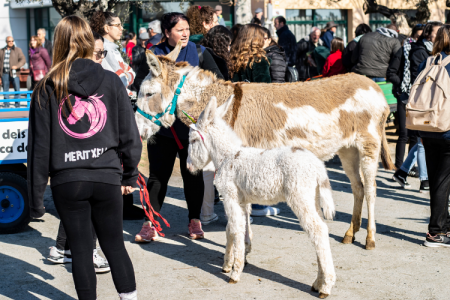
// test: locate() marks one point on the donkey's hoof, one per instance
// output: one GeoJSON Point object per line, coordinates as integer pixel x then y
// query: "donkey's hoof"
{"type": "Point", "coordinates": [370, 245]}
{"type": "Point", "coordinates": [314, 289]}
{"type": "Point", "coordinates": [232, 281]}
{"type": "Point", "coordinates": [323, 296]}
{"type": "Point", "coordinates": [348, 239]}
{"type": "Point", "coordinates": [226, 271]}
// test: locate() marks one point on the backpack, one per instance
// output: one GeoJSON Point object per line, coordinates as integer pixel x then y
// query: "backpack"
{"type": "Point", "coordinates": [428, 107]}
{"type": "Point", "coordinates": [291, 74]}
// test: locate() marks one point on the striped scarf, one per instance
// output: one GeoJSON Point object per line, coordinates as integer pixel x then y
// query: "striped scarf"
{"type": "Point", "coordinates": [6, 63]}
{"type": "Point", "coordinates": [406, 83]}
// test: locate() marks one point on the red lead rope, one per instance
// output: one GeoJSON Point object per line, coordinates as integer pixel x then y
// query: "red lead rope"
{"type": "Point", "coordinates": [143, 193]}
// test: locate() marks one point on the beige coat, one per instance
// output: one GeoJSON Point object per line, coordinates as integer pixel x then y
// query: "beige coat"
{"type": "Point", "coordinates": [16, 58]}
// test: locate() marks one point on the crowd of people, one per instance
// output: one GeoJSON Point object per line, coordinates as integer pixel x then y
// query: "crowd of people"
{"type": "Point", "coordinates": [93, 191]}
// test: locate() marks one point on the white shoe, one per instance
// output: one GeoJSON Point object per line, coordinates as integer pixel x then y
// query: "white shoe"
{"type": "Point", "coordinates": [128, 296]}
{"type": "Point", "coordinates": [57, 256]}
{"type": "Point", "coordinates": [267, 211]}
{"type": "Point", "coordinates": [100, 264]}
{"type": "Point", "coordinates": [209, 219]}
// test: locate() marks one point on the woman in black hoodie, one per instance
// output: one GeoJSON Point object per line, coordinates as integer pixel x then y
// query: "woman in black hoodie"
{"type": "Point", "coordinates": [81, 121]}
{"type": "Point", "coordinates": [277, 55]}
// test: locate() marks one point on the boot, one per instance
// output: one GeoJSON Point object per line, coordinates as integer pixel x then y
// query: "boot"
{"type": "Point", "coordinates": [130, 211]}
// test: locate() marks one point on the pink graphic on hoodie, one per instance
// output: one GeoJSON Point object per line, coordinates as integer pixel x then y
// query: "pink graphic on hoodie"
{"type": "Point", "coordinates": [95, 110]}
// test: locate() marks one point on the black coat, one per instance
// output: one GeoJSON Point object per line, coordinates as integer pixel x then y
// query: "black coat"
{"type": "Point", "coordinates": [259, 72]}
{"type": "Point", "coordinates": [286, 39]}
{"type": "Point", "coordinates": [278, 66]}
{"type": "Point", "coordinates": [347, 55]}
{"type": "Point", "coordinates": [221, 64]}
{"type": "Point", "coordinates": [372, 54]}
{"type": "Point", "coordinates": [417, 55]}
{"type": "Point", "coordinates": [49, 47]}
{"type": "Point", "coordinates": [305, 46]}
{"type": "Point", "coordinates": [394, 73]}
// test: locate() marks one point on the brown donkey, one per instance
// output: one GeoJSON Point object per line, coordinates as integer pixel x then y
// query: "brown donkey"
{"type": "Point", "coordinates": [342, 115]}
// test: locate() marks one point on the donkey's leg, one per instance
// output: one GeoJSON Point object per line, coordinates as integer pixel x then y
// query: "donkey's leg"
{"type": "Point", "coordinates": [229, 201]}
{"type": "Point", "coordinates": [248, 231]}
{"type": "Point", "coordinates": [350, 162]}
{"type": "Point", "coordinates": [229, 257]}
{"type": "Point", "coordinates": [302, 203]}
{"type": "Point", "coordinates": [369, 167]}
{"type": "Point", "coordinates": [239, 242]}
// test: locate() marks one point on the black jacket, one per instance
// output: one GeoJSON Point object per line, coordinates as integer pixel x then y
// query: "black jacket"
{"type": "Point", "coordinates": [286, 39]}
{"type": "Point", "coordinates": [347, 55]}
{"type": "Point", "coordinates": [305, 46]}
{"type": "Point", "coordinates": [221, 64]}
{"type": "Point", "coordinates": [372, 54]}
{"type": "Point", "coordinates": [417, 55]}
{"type": "Point", "coordinates": [138, 56]}
{"type": "Point", "coordinates": [84, 145]}
{"type": "Point", "coordinates": [49, 47]}
{"type": "Point", "coordinates": [278, 66]}
{"type": "Point", "coordinates": [394, 73]}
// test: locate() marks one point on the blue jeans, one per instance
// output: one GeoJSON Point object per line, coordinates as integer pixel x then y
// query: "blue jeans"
{"type": "Point", "coordinates": [378, 79]}
{"type": "Point", "coordinates": [6, 78]}
{"type": "Point", "coordinates": [417, 153]}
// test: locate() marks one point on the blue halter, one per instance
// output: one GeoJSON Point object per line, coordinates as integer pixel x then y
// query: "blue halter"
{"type": "Point", "coordinates": [171, 107]}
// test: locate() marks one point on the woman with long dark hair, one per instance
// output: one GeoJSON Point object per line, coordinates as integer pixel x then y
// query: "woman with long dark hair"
{"type": "Point", "coordinates": [163, 148]}
{"type": "Point", "coordinates": [201, 20]}
{"type": "Point", "coordinates": [80, 122]}
{"type": "Point", "coordinates": [217, 41]}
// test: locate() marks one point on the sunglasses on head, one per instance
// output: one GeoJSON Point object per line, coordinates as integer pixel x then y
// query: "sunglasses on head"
{"type": "Point", "coordinates": [421, 25]}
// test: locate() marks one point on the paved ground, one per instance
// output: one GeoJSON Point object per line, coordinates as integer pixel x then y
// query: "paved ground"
{"type": "Point", "coordinates": [281, 266]}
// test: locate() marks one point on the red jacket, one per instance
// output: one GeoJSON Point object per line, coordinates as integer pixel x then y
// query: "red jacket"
{"type": "Point", "coordinates": [333, 65]}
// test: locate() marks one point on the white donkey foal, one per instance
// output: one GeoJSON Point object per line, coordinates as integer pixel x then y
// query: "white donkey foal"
{"type": "Point", "coordinates": [248, 175]}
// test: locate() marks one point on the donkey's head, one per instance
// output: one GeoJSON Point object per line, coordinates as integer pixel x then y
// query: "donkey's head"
{"type": "Point", "coordinates": [209, 124]}
{"type": "Point", "coordinates": [158, 89]}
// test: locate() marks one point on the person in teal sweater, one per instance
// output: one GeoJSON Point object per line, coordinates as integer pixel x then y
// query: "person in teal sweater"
{"type": "Point", "coordinates": [248, 58]}
{"type": "Point", "coordinates": [249, 63]}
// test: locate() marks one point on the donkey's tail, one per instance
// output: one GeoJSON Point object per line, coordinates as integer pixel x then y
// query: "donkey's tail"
{"type": "Point", "coordinates": [386, 159]}
{"type": "Point", "coordinates": [326, 199]}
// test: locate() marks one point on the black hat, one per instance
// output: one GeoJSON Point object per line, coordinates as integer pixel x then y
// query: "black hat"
{"type": "Point", "coordinates": [330, 25]}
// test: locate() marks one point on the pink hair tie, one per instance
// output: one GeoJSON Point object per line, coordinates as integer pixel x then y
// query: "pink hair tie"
{"type": "Point", "coordinates": [199, 7]}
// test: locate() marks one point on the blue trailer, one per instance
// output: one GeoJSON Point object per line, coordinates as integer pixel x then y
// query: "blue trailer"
{"type": "Point", "coordinates": [14, 204]}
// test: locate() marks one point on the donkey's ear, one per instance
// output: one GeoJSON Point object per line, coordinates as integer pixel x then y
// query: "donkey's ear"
{"type": "Point", "coordinates": [223, 109]}
{"type": "Point", "coordinates": [208, 114]}
{"type": "Point", "coordinates": [175, 52]}
{"type": "Point", "coordinates": [153, 63]}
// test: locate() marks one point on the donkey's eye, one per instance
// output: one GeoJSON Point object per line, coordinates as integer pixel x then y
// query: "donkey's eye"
{"type": "Point", "coordinates": [149, 94]}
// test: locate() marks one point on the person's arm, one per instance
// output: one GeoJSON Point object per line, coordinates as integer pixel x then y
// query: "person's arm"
{"type": "Point", "coordinates": [347, 55]}
{"type": "Point", "coordinates": [278, 68]}
{"type": "Point", "coordinates": [21, 59]}
{"type": "Point", "coordinates": [355, 54]}
{"type": "Point", "coordinates": [394, 65]}
{"type": "Point", "coordinates": [326, 67]}
{"type": "Point", "coordinates": [209, 64]}
{"type": "Point", "coordinates": [415, 61]}
{"type": "Point", "coordinates": [130, 145]}
{"type": "Point", "coordinates": [261, 71]}
{"type": "Point", "coordinates": [38, 154]}
{"type": "Point", "coordinates": [46, 58]}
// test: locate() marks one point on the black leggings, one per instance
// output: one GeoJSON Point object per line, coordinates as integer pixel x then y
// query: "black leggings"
{"type": "Point", "coordinates": [62, 243]}
{"type": "Point", "coordinates": [402, 133]}
{"type": "Point", "coordinates": [437, 155]}
{"type": "Point", "coordinates": [162, 152]}
{"type": "Point", "coordinates": [81, 205]}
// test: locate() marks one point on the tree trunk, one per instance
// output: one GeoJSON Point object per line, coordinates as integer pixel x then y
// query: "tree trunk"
{"type": "Point", "coordinates": [243, 11]}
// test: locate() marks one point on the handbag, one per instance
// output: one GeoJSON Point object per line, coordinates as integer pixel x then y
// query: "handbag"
{"type": "Point", "coordinates": [38, 74]}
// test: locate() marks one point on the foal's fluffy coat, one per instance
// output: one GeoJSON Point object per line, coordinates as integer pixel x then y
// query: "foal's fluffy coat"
{"type": "Point", "coordinates": [248, 175]}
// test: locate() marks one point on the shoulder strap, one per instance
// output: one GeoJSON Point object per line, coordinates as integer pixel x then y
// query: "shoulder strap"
{"type": "Point", "coordinates": [445, 61]}
{"type": "Point", "coordinates": [200, 55]}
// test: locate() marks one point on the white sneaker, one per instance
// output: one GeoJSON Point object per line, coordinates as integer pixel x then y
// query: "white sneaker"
{"type": "Point", "coordinates": [209, 219]}
{"type": "Point", "coordinates": [57, 256]}
{"type": "Point", "coordinates": [100, 264]}
{"type": "Point", "coordinates": [267, 211]}
{"type": "Point", "coordinates": [128, 296]}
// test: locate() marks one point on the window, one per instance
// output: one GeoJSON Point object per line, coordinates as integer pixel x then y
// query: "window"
{"type": "Point", "coordinates": [301, 21]}
{"type": "Point", "coordinates": [378, 20]}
